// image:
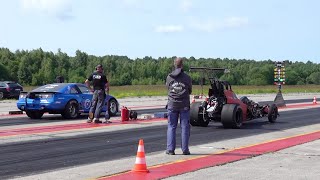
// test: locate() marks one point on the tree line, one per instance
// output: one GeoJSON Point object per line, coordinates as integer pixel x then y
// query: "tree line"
{"type": "Point", "coordinates": [37, 67]}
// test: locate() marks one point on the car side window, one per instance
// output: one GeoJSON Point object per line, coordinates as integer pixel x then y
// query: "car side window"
{"type": "Point", "coordinates": [84, 89]}
{"type": "Point", "coordinates": [73, 91]}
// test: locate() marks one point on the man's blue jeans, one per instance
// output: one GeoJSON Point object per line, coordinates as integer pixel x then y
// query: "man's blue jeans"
{"type": "Point", "coordinates": [97, 103]}
{"type": "Point", "coordinates": [107, 116]}
{"type": "Point", "coordinates": [173, 116]}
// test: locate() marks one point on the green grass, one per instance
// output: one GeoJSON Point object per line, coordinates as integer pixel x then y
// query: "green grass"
{"type": "Point", "coordinates": [138, 91]}
{"type": "Point", "coordinates": [161, 90]}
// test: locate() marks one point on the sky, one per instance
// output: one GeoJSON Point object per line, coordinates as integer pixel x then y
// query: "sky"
{"type": "Point", "coordinates": [237, 29]}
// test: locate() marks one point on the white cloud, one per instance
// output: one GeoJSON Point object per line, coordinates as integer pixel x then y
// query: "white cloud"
{"type": "Point", "coordinates": [207, 26]}
{"type": "Point", "coordinates": [236, 22]}
{"type": "Point", "coordinates": [213, 25]}
{"type": "Point", "coordinates": [169, 28]}
{"type": "Point", "coordinates": [58, 8]}
{"type": "Point", "coordinates": [185, 5]}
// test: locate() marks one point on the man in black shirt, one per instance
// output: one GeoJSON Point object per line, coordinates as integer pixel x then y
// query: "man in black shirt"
{"type": "Point", "coordinates": [100, 84]}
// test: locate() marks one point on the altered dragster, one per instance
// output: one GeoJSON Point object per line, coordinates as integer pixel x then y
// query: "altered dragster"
{"type": "Point", "coordinates": [222, 104]}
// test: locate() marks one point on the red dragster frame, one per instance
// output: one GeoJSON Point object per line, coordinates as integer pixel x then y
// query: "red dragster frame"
{"type": "Point", "coordinates": [222, 104]}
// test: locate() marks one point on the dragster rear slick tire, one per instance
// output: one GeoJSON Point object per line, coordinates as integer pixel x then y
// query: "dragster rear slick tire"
{"type": "Point", "coordinates": [198, 115]}
{"type": "Point", "coordinates": [231, 116]}
{"type": "Point", "coordinates": [272, 113]}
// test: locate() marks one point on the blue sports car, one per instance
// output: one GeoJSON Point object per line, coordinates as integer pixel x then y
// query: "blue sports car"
{"type": "Point", "coordinates": [67, 99]}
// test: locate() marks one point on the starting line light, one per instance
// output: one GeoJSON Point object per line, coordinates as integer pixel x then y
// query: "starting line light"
{"type": "Point", "coordinates": [279, 73]}
{"type": "Point", "coordinates": [279, 64]}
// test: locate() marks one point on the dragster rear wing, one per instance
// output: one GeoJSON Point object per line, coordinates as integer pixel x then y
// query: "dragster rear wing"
{"type": "Point", "coordinates": [210, 73]}
{"type": "Point", "coordinates": [205, 69]}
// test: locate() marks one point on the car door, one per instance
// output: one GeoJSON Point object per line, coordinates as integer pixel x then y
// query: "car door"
{"type": "Point", "coordinates": [86, 97]}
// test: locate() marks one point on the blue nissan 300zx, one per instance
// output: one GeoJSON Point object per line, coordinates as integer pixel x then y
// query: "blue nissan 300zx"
{"type": "Point", "coordinates": [67, 99]}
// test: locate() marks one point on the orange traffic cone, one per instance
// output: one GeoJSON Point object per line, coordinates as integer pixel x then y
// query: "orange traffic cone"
{"type": "Point", "coordinates": [140, 165]}
{"type": "Point", "coordinates": [314, 100]}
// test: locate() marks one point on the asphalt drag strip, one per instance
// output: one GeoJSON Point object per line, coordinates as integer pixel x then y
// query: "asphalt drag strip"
{"type": "Point", "coordinates": [206, 142]}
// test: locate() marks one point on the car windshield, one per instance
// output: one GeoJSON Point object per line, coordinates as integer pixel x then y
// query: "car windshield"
{"type": "Point", "coordinates": [50, 87]}
{"type": "Point", "coordinates": [13, 84]}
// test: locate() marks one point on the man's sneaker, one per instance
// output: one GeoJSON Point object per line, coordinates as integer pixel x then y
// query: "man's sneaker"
{"type": "Point", "coordinates": [96, 120]}
{"type": "Point", "coordinates": [170, 152]}
{"type": "Point", "coordinates": [186, 153]}
{"type": "Point", "coordinates": [107, 121]}
{"type": "Point", "coordinates": [89, 120]}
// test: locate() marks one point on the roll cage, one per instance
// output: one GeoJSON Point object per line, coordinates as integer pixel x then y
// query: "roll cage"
{"type": "Point", "coordinates": [217, 86]}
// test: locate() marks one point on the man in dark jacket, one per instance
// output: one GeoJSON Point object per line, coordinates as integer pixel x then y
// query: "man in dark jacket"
{"type": "Point", "coordinates": [100, 85]}
{"type": "Point", "coordinates": [179, 86]}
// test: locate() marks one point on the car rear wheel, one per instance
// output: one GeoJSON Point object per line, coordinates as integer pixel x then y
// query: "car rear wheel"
{"type": "Point", "coordinates": [113, 107]}
{"type": "Point", "coordinates": [34, 114]}
{"type": "Point", "coordinates": [231, 116]}
{"type": "Point", "coordinates": [272, 113]}
{"type": "Point", "coordinates": [71, 110]}
{"type": "Point", "coordinates": [1, 95]}
{"type": "Point", "coordinates": [198, 116]}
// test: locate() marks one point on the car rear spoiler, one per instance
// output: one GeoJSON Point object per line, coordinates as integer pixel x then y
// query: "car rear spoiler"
{"type": "Point", "coordinates": [32, 94]}
{"type": "Point", "coordinates": [38, 92]}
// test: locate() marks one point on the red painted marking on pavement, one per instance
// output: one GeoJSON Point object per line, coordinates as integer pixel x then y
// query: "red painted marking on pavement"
{"type": "Point", "coordinates": [173, 169]}
{"type": "Point", "coordinates": [64, 127]}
